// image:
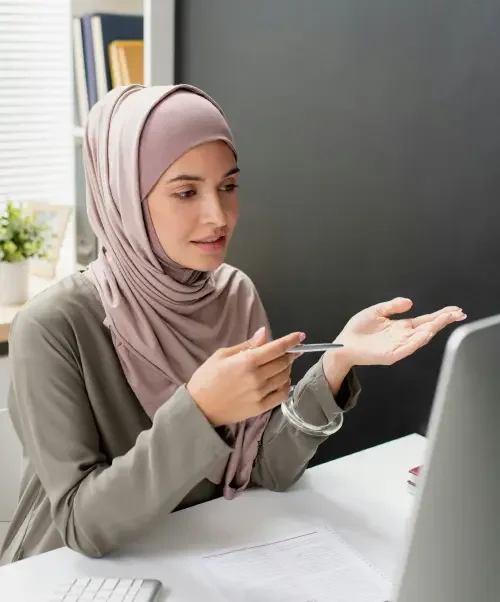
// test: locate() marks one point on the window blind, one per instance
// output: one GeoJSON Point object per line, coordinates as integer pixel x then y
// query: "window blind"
{"type": "Point", "coordinates": [36, 101]}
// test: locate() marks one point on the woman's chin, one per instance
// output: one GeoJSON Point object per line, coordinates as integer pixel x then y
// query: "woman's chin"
{"type": "Point", "coordinates": [210, 266]}
{"type": "Point", "coordinates": [205, 263]}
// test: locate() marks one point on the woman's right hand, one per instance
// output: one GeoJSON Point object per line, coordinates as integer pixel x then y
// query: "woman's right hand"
{"type": "Point", "coordinates": [244, 381]}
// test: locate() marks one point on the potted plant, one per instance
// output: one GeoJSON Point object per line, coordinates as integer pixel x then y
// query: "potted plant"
{"type": "Point", "coordinates": [21, 238]}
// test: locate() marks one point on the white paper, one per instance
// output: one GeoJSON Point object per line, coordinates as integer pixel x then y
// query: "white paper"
{"type": "Point", "coordinates": [314, 566]}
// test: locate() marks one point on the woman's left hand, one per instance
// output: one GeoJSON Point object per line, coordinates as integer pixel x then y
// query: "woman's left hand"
{"type": "Point", "coordinates": [371, 337]}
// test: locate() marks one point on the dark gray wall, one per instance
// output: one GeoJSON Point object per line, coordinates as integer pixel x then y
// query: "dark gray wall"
{"type": "Point", "coordinates": [369, 139]}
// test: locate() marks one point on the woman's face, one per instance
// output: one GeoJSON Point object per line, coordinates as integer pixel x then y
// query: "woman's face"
{"type": "Point", "coordinates": [194, 206]}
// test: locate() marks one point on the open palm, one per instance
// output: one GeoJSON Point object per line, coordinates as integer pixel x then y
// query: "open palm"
{"type": "Point", "coordinates": [371, 337]}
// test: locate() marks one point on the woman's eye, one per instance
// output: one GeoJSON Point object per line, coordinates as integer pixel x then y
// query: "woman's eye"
{"type": "Point", "coordinates": [228, 187]}
{"type": "Point", "coordinates": [185, 194]}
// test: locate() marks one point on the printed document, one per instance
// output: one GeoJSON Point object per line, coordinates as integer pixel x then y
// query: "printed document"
{"type": "Point", "coordinates": [312, 566]}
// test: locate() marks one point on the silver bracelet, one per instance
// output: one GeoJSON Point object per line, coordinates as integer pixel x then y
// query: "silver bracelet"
{"type": "Point", "coordinates": [289, 412]}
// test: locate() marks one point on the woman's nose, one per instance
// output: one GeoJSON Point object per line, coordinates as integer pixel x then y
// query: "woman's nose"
{"type": "Point", "coordinates": [214, 211]}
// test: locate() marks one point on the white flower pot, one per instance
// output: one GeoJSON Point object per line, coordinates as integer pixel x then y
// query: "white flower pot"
{"type": "Point", "coordinates": [14, 282]}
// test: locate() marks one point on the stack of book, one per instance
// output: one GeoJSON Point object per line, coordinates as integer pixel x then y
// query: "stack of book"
{"type": "Point", "coordinates": [414, 474]}
{"type": "Point", "coordinates": [108, 51]}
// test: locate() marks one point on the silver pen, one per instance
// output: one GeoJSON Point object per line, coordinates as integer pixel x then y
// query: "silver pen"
{"type": "Point", "coordinates": [314, 347]}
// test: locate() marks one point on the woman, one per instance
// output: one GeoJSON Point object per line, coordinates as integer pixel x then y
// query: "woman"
{"type": "Point", "coordinates": [149, 383]}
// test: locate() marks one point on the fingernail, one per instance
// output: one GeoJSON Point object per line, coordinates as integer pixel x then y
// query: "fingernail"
{"type": "Point", "coordinates": [302, 337]}
{"type": "Point", "coordinates": [260, 331]}
{"type": "Point", "coordinates": [464, 317]}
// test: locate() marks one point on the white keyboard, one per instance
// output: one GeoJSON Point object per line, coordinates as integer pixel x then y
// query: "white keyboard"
{"type": "Point", "coordinates": [106, 590]}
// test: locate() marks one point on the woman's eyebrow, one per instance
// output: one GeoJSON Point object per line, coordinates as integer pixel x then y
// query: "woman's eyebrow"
{"type": "Point", "coordinates": [186, 177]}
{"type": "Point", "coordinates": [190, 178]}
{"type": "Point", "coordinates": [232, 172]}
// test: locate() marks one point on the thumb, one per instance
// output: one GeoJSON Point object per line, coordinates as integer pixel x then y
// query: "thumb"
{"type": "Point", "coordinates": [398, 305]}
{"type": "Point", "coordinates": [258, 339]}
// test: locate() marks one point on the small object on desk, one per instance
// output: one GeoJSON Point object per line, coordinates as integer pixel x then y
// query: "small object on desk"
{"type": "Point", "coordinates": [414, 477]}
{"type": "Point", "coordinates": [107, 590]}
{"type": "Point", "coordinates": [314, 347]}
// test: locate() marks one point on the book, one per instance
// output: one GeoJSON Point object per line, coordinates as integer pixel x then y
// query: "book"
{"type": "Point", "coordinates": [80, 77]}
{"type": "Point", "coordinates": [89, 59]}
{"type": "Point", "coordinates": [106, 28]}
{"type": "Point", "coordinates": [126, 61]}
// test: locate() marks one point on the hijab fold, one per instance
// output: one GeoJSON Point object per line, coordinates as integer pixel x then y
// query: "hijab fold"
{"type": "Point", "coordinates": [165, 320]}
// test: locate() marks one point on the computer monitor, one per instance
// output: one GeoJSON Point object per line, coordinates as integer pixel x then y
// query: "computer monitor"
{"type": "Point", "coordinates": [453, 551]}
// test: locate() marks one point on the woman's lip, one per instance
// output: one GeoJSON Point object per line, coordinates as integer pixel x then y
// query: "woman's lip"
{"type": "Point", "coordinates": [210, 240]}
{"type": "Point", "coordinates": [214, 246]}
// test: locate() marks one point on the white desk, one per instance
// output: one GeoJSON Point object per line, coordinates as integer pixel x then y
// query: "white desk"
{"type": "Point", "coordinates": [364, 498]}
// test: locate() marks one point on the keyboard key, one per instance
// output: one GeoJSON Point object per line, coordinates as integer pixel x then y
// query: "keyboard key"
{"type": "Point", "coordinates": [63, 588]}
{"type": "Point", "coordinates": [94, 585]}
{"type": "Point", "coordinates": [136, 586]}
{"type": "Point", "coordinates": [109, 584]}
{"type": "Point", "coordinates": [103, 590]}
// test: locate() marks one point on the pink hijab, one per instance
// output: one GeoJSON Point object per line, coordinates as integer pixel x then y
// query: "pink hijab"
{"type": "Point", "coordinates": [165, 320]}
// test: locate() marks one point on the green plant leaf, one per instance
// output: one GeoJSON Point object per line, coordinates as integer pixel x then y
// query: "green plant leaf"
{"type": "Point", "coordinates": [21, 235]}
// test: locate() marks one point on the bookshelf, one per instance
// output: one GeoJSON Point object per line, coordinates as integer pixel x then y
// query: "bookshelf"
{"type": "Point", "coordinates": [159, 25]}
{"type": "Point", "coordinates": [159, 30]}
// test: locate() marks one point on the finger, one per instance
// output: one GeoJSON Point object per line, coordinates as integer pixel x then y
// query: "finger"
{"type": "Point", "coordinates": [258, 339]}
{"type": "Point", "coordinates": [276, 382]}
{"type": "Point", "coordinates": [398, 305]}
{"type": "Point", "coordinates": [274, 399]}
{"type": "Point", "coordinates": [441, 321]}
{"type": "Point", "coordinates": [424, 319]}
{"type": "Point", "coordinates": [284, 362]}
{"type": "Point", "coordinates": [271, 351]}
{"type": "Point", "coordinates": [424, 333]}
